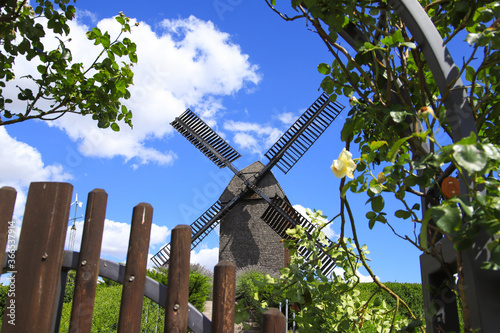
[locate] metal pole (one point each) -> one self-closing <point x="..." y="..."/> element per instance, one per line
<point x="286" y="314"/>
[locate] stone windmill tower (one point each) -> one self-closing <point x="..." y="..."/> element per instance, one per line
<point x="253" y="210"/>
<point x="245" y="238"/>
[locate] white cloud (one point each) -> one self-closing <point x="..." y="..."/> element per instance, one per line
<point x="184" y="63"/>
<point x="206" y="257"/>
<point x="252" y="136"/>
<point x="22" y="164"/>
<point x="248" y="142"/>
<point x="115" y="239"/>
<point x="287" y="118"/>
<point x="362" y="278"/>
<point x="86" y="14"/>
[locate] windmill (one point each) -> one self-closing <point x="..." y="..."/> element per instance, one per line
<point x="256" y="181"/>
<point x="72" y="233"/>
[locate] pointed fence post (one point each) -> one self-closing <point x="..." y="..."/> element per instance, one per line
<point x="7" y="202"/>
<point x="176" y="309"/>
<point x="39" y="259"/>
<point x="135" y="270"/>
<point x="224" y="297"/>
<point x="88" y="269"/>
<point x="273" y="321"/>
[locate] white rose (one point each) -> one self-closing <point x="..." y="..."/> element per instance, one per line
<point x="344" y="165"/>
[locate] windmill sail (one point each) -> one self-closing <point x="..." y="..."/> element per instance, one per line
<point x="200" y="229"/>
<point x="280" y="224"/>
<point x="294" y="143"/>
<point x="205" y="139"/>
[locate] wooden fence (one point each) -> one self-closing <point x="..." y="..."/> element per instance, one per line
<point x="39" y="266"/>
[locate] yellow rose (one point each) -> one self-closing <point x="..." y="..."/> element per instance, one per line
<point x="344" y="165"/>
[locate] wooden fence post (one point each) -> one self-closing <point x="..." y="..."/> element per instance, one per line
<point x="224" y="297"/>
<point x="7" y="202"/>
<point x="176" y="309"/>
<point x="135" y="270"/>
<point x="88" y="269"/>
<point x="274" y="321"/>
<point x="32" y="305"/>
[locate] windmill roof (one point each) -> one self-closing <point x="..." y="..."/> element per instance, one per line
<point x="268" y="184"/>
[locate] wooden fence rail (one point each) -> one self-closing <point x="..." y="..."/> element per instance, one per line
<point x="40" y="266"/>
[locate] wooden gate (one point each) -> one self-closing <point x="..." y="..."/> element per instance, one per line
<point x="39" y="266"/>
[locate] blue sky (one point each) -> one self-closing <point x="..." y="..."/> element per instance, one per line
<point x="239" y="66"/>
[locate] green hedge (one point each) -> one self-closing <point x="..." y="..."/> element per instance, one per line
<point x="411" y="293"/>
<point x="200" y="285"/>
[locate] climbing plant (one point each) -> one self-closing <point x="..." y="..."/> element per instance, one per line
<point x="399" y="126"/>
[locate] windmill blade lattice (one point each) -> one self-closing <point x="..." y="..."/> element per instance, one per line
<point x="205" y="139"/>
<point x="295" y="142"/>
<point x="200" y="229"/>
<point x="280" y="224"/>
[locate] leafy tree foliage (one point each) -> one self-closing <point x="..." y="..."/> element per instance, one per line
<point x="402" y="126"/>
<point x="251" y="290"/>
<point x="62" y="85"/>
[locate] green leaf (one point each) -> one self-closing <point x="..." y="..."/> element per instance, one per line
<point x="41" y="69"/>
<point x="105" y="40"/>
<point x="470" y="73"/>
<point x="376" y="188"/>
<point x="324" y="69"/>
<point x="423" y="231"/>
<point x="466" y="207"/>
<point x="133" y="57"/>
<point x="115" y="127"/>
<point x="97" y="31"/>
<point x="377" y="144"/>
<point x="402" y="214"/>
<point x="469" y="157"/>
<point x="115" y="48"/>
<point x="348" y="91"/>
<point x="395" y="148"/>
<point x="378" y="203"/>
<point x="347" y="129"/>
<point x="397" y="37"/>
<point x="120" y="19"/>
<point x="409" y="45"/>
<point x="447" y="217"/>
<point x="371" y="215"/>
